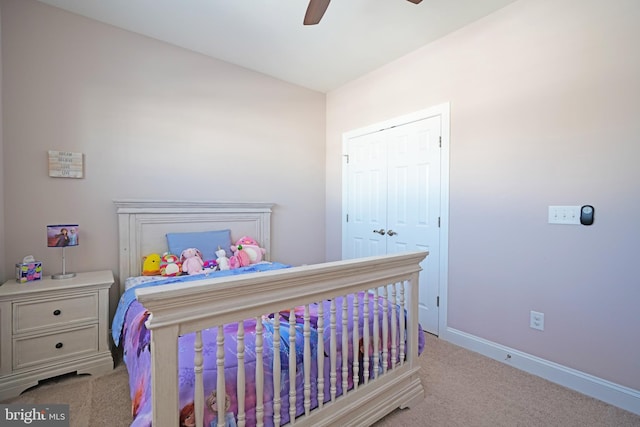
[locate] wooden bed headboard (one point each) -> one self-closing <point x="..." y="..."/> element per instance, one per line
<point x="143" y="225"/>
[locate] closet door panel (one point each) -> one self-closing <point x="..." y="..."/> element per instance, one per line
<point x="367" y="191"/>
<point x="409" y="173"/>
<point x="413" y="203"/>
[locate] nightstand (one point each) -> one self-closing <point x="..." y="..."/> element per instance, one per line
<point x="53" y="327"/>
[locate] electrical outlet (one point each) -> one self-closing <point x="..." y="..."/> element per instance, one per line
<point x="536" y="320"/>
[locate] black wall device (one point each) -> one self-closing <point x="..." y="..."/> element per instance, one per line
<point x="586" y="215"/>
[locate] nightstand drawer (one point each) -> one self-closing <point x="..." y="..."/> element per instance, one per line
<point x="35" y="315"/>
<point x="62" y="345"/>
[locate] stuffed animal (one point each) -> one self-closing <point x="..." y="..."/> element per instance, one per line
<point x="222" y="261"/>
<point x="170" y="265"/>
<point x="248" y="251"/>
<point x="191" y="259"/>
<point x="239" y="259"/>
<point x="151" y="265"/>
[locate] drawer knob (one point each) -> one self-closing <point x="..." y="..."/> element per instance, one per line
<point x="59" y="345"/>
<point x="57" y="313"/>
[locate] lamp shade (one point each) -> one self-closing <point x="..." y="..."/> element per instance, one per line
<point x="62" y="235"/>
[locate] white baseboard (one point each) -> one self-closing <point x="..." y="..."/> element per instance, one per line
<point x="607" y="391"/>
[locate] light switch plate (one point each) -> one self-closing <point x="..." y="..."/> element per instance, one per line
<point x="564" y="215"/>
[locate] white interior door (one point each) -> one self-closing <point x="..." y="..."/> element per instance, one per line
<point x="367" y="196"/>
<point x="392" y="196"/>
<point x="413" y="205"/>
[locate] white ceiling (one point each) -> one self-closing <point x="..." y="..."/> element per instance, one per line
<point x="353" y="38"/>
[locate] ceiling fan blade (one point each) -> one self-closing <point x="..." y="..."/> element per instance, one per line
<point x="315" y="11"/>
<point x="415" y="1"/>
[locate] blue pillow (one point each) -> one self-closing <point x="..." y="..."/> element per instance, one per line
<point x="206" y="241"/>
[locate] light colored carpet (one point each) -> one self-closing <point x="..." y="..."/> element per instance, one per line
<point x="462" y="389"/>
<point x="467" y="389"/>
<point x="93" y="401"/>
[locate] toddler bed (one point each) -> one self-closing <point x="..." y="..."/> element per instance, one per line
<point x="326" y="344"/>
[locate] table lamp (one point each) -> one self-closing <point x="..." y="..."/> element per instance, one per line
<point x="61" y="236"/>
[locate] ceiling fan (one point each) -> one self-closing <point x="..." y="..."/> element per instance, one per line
<point x="317" y="8"/>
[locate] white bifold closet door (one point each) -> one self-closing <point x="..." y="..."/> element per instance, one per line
<point x="393" y="200"/>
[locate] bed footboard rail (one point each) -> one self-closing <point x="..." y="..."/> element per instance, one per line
<point x="345" y="294"/>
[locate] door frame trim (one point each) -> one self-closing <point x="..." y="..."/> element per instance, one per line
<point x="444" y="111"/>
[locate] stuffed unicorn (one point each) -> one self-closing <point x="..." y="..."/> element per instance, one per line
<point x="222" y="260"/>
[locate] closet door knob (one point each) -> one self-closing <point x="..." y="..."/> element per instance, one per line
<point x="380" y="232"/>
<point x="59" y="345"/>
<point x="57" y="312"/>
<point x="391" y="233"/>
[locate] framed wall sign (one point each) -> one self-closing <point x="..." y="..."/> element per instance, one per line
<point x="65" y="164"/>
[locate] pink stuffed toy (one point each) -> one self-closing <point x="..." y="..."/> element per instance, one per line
<point x="246" y="251"/>
<point x="191" y="259"/>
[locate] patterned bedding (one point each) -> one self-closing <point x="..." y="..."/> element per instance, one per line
<point x="129" y="329"/>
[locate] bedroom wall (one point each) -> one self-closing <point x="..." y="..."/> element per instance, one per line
<point x="154" y="121"/>
<point x="544" y="111"/>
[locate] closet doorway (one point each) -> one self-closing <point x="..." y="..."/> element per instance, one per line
<point x="395" y="198"/>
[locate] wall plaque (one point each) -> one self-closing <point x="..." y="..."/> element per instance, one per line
<point x="65" y="164"/>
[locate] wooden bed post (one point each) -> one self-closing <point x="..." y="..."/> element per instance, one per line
<point x="164" y="374"/>
<point x="412" y="352"/>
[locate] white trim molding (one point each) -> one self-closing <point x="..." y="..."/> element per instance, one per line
<point x="590" y="385"/>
